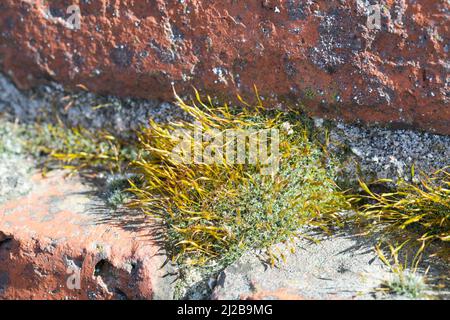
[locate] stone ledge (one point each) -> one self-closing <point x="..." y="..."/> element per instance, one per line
<point x="57" y="232"/>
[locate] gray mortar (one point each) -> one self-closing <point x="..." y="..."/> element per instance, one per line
<point x="387" y="154"/>
<point x="15" y="168"/>
<point x="328" y="270"/>
<point x="341" y="266"/>
<point x="84" y="109"/>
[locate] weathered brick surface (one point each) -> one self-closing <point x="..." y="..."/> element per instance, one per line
<point x="58" y="232"/>
<point x="319" y="52"/>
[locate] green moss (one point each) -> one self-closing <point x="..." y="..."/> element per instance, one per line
<point x="408" y="284"/>
<point x="267" y="211"/>
<point x="420" y="210"/>
<point x="116" y="194"/>
<point x="215" y="212"/>
<point x="78" y="148"/>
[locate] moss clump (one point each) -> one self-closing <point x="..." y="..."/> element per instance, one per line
<point x="116" y="194"/>
<point x="419" y="211"/>
<point x="404" y="281"/>
<point x="78" y="148"/>
<point x="406" y="284"/>
<point x="217" y="210"/>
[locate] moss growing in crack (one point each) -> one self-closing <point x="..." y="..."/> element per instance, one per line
<point x="77" y="148"/>
<point x="404" y="281"/>
<point x="214" y="211"/>
<point x="418" y="210"/>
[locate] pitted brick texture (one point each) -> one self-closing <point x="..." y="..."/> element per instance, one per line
<point x="57" y="237"/>
<point x="318" y="52"/>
